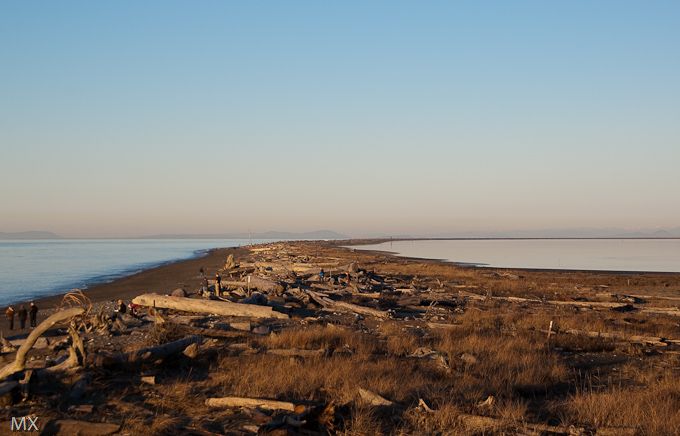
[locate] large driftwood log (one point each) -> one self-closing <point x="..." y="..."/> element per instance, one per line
<point x="51" y="321"/>
<point x="259" y="283"/>
<point x="671" y="311"/>
<point x="342" y="306"/>
<point x="224" y="308"/>
<point x="148" y="354"/>
<point x="250" y="402"/>
<point x="636" y="339"/>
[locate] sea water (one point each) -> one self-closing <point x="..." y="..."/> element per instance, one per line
<point x="656" y="255"/>
<point x="36" y="268"/>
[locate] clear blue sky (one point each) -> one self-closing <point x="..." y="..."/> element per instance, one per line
<point x="128" y="117"/>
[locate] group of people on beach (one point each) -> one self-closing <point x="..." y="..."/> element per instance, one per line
<point x="23" y="314"/>
<point x="205" y="284"/>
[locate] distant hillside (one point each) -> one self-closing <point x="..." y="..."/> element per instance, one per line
<point x="319" y="234"/>
<point x="29" y="235"/>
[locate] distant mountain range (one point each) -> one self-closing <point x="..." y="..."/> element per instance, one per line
<point x="319" y="234"/>
<point x="29" y="235"/>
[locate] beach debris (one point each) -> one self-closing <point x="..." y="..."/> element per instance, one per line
<point x="191" y="351"/>
<point x="636" y="339"/>
<point x="373" y="399"/>
<point x="76" y="353"/>
<point x="242" y="325"/>
<point x="424" y="407"/>
<point x="207" y="306"/>
<point x="230" y="263"/>
<point x="56" y="318"/>
<point x="490" y="400"/>
<point x="333" y="305"/>
<point x="148" y="379"/>
<point x="148" y="354"/>
<point x="250" y="403"/>
<point x="7" y="346"/>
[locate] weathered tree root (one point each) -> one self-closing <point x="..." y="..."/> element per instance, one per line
<point x="20" y="360"/>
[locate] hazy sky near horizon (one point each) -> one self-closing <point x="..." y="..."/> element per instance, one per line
<point x="129" y="118"/>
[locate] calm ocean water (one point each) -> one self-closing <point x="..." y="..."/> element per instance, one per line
<point x="30" y="268"/>
<point x="659" y="255"/>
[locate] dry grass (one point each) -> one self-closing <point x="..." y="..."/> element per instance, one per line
<point x="653" y="409"/>
<point x="322" y="337"/>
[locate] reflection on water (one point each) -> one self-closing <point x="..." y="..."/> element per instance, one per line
<point x="662" y="255"/>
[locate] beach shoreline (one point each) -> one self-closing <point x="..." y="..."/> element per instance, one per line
<point x="158" y="279"/>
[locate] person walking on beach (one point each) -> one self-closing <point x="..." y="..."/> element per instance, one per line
<point x="33" y="312"/>
<point x="23" y="314"/>
<point x="321" y="274"/>
<point x="9" y="313"/>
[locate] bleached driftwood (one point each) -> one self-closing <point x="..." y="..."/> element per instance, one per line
<point x="250" y="402"/>
<point x="342" y="306"/>
<point x="637" y="339"/>
<point x="671" y="311"/>
<point x="373" y="399"/>
<point x="194" y="305"/>
<point x="51" y="321"/>
<point x="76" y="353"/>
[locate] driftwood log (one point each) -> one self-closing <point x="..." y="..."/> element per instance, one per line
<point x="56" y="318"/>
<point x="148" y="354"/>
<point x="194" y="305"/>
<point x="671" y="311"/>
<point x="250" y="402"/>
<point x="342" y="306"/>
<point x="636" y="339"/>
<point x="76" y="353"/>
